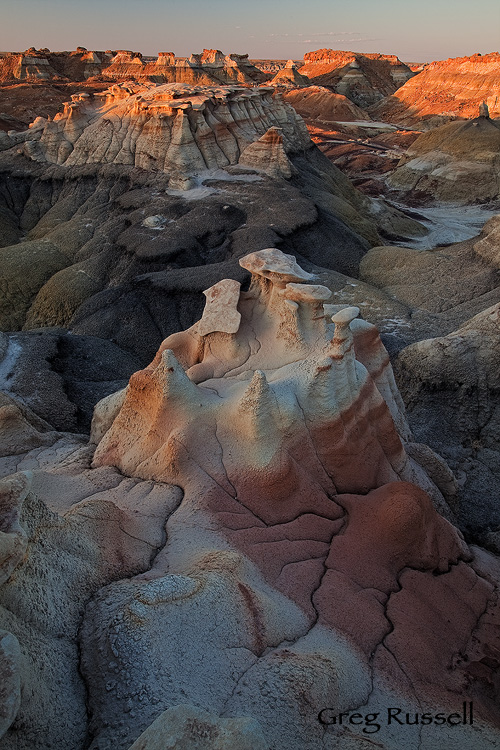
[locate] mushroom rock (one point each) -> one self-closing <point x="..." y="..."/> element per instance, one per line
<point x="298" y="563"/>
<point x="278" y="415"/>
<point x="269" y="394"/>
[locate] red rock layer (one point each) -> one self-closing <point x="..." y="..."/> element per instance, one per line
<point x="446" y="88"/>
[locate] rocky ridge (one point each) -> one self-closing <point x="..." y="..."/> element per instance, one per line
<point x="445" y="89"/>
<point x="208" y="67"/>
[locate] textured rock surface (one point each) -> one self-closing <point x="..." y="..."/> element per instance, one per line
<point x="363" y="78"/>
<point x="446" y="88"/>
<point x="316" y="385"/>
<point x="488" y="243"/>
<point x="170" y="127"/>
<point x="10" y="690"/>
<point x="451" y="385"/>
<point x="455" y="162"/>
<point x="45" y="588"/>
<point x="275" y="588"/>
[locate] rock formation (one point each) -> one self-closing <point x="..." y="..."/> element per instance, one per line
<point x="31" y="65"/>
<point x="445" y="89"/>
<point x="289" y="77"/>
<point x="300" y="569"/>
<point x="208" y="67"/>
<point x="168" y="180"/>
<point x="177" y="129"/>
<point x="363" y="78"/>
<point x="228" y="353"/>
<point x="454" y="162"/>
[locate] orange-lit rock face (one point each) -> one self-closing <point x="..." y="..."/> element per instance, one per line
<point x="269" y="396"/>
<point x="318" y="103"/>
<point x="363" y="78"/>
<point x="450" y="88"/>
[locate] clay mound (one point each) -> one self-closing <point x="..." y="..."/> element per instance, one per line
<point x="446" y="88"/>
<point x="319" y="104"/>
<point x="363" y="78"/>
<point x="455" y="162"/>
<point x="289" y="77"/>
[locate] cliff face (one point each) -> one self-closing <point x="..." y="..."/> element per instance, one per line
<point x="27" y="66"/>
<point x="450" y="88"/>
<point x="174" y="128"/>
<point x="363" y="78"/>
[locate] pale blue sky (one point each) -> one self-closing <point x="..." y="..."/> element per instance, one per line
<point x="415" y="30"/>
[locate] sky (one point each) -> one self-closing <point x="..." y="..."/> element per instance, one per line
<point x="415" y="30"/>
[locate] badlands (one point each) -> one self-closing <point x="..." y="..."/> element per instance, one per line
<point x="249" y="402"/>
